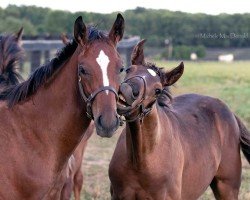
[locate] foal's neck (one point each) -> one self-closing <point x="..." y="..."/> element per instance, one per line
<point x="142" y="137"/>
<point x="58" y="113"/>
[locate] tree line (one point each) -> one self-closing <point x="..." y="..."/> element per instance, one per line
<point x="157" y="26"/>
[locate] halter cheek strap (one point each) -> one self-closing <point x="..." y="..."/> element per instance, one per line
<point x="89" y="100"/>
<point x="142" y="110"/>
<point x="142" y="113"/>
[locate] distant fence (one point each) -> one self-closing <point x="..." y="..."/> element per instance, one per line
<point x="40" y="49"/>
<point x="238" y="53"/>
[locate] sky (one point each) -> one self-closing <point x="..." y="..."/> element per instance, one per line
<point x="107" y="6"/>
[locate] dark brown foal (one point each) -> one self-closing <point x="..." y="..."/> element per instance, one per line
<point x="174" y="148"/>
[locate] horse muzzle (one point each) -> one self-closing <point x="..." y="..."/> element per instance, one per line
<point x="130" y="94"/>
<point x="106" y="125"/>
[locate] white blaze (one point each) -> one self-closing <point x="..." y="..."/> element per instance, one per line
<point x="152" y="72"/>
<point x="103" y="61"/>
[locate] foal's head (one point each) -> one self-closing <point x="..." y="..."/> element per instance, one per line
<point x="99" y="67"/>
<point x="11" y="52"/>
<point x="144" y="82"/>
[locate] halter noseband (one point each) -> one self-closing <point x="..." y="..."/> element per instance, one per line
<point x="89" y="100"/>
<point x="143" y="111"/>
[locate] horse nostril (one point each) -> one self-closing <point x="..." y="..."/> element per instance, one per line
<point x="135" y="91"/>
<point x="107" y="124"/>
<point x="103" y="123"/>
<point x="99" y="121"/>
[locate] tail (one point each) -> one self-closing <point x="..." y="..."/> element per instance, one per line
<point x="244" y="139"/>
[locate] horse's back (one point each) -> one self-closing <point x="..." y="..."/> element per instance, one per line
<point x="188" y="103"/>
<point x="204" y="122"/>
<point x="210" y="140"/>
<point x="198" y="110"/>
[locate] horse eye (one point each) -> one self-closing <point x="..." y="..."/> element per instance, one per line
<point x="157" y="91"/>
<point x="82" y="70"/>
<point x="122" y="69"/>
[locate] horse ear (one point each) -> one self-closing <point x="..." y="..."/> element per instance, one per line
<point x="65" y="39"/>
<point x="19" y="35"/>
<point x="80" y="31"/>
<point x="173" y="75"/>
<point x="137" y="56"/>
<point x="117" y="30"/>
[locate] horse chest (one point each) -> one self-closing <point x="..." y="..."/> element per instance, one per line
<point x="146" y="184"/>
<point x="23" y="185"/>
<point x="27" y="178"/>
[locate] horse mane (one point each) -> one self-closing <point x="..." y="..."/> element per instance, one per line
<point x="95" y="34"/>
<point x="165" y="98"/>
<point x="41" y="75"/>
<point x="10" y="55"/>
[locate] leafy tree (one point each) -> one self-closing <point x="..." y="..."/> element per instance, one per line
<point x="11" y="25"/>
<point x="156" y="26"/>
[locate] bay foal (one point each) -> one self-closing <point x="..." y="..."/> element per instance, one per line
<point x="174" y="148"/>
<point x="11" y="55"/>
<point x="43" y="119"/>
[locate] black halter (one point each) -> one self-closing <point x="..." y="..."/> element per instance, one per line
<point x="140" y="107"/>
<point x="89" y="100"/>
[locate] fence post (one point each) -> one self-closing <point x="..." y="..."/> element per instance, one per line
<point x="35" y="60"/>
<point x="47" y="56"/>
<point x="39" y="48"/>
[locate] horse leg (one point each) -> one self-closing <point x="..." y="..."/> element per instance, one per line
<point x="226" y="183"/>
<point x="67" y="189"/>
<point x="78" y="182"/>
<point x="224" y="189"/>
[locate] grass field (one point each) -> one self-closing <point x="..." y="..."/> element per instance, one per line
<point x="229" y="82"/>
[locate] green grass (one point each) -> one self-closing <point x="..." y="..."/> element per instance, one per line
<point x="95" y="167"/>
<point x="229" y="82"/>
